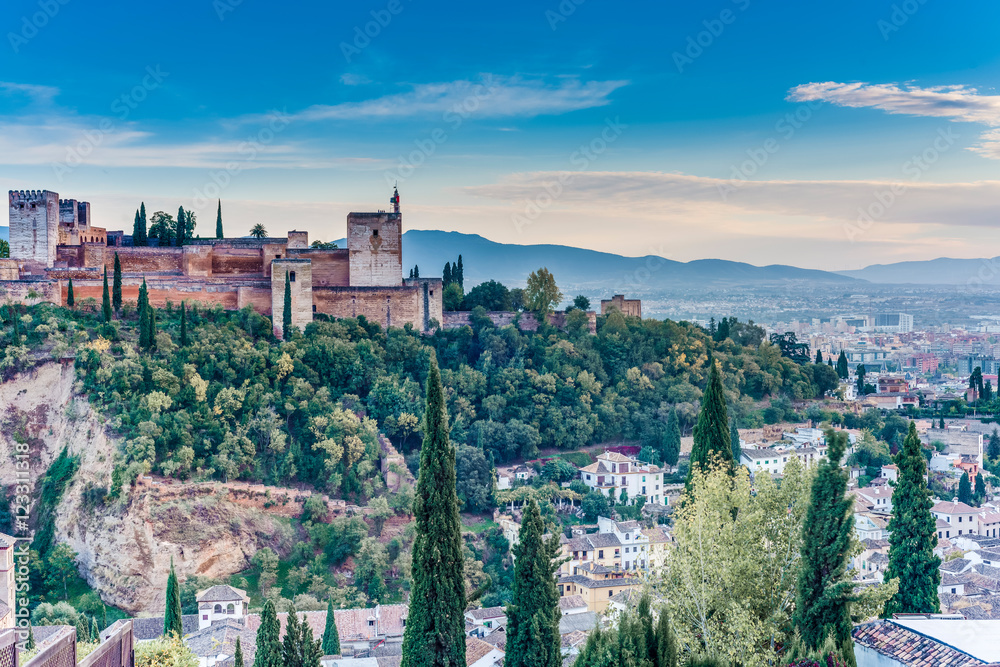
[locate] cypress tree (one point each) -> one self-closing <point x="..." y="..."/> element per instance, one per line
<point x="116" y="289"/>
<point x="435" y="631"/>
<point x="446" y="278"/>
<point x="533" y="638"/>
<point x="82" y="629"/>
<point x="965" y="489"/>
<point x="184" y="325"/>
<point x="95" y="633"/>
<point x="106" y="299"/>
<point x="268" y="643"/>
<point x="218" y="222"/>
<point x="941" y="424"/>
<point x="843" y="370"/>
<point x="181" y="223"/>
<point x="31" y="639"/>
<point x="912" y="536"/>
<point x="70" y="301"/>
<point x="980" y="494"/>
<point x="819" y="357"/>
<point x="152" y="327"/>
<point x="672" y="439"/>
<point x="291" y="649"/>
<point x="135" y="228"/>
<point x="459" y="274"/>
<point x="15" y="313"/>
<point x="711" y="433"/>
<point x="734" y="441"/>
<point x="140" y="306"/>
<point x="144" y="329"/>
<point x="142" y="226"/>
<point x="829" y="362"/>
<point x="331" y="638"/>
<point x="238" y="655"/>
<point x="666" y="642"/>
<point x="172" y="623"/>
<point x="416" y="270"/>
<point x="286" y="311"/>
<point x="645" y="626"/>
<point x="824" y="591"/>
<point x="993" y="448"/>
<point x="311" y="650"/>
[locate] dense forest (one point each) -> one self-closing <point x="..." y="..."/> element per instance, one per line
<point x="212" y="394"/>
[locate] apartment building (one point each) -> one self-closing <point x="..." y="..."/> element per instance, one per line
<point x="614" y="473"/>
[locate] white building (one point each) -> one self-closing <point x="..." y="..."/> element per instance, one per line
<point x="634" y="544"/>
<point x="773" y="460"/>
<point x="959" y="516"/>
<point x="220" y="603"/>
<point x="7" y="585"/>
<point x="614" y="473"/>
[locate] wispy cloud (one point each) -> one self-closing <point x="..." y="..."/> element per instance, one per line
<point x="959" y="103"/>
<point x="490" y="97"/>
<point x="349" y="79"/>
<point x="36" y="94"/>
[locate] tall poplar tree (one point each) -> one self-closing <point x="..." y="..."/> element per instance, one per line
<point x="218" y="222"/>
<point x="268" y="639"/>
<point x="70" y="300"/>
<point x="116" y="286"/>
<point x="533" y="638"/>
<point x="286" y="311"/>
<point x="331" y="638"/>
<point x="672" y="439"/>
<point x="172" y="622"/>
<point x="106" y="299"/>
<point x="435" y="628"/>
<point x="824" y="591"/>
<point x="310" y="650"/>
<point x="711" y="433"/>
<point x="912" y="536"/>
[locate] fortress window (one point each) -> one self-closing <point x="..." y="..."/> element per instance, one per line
<point x="374" y="232"/>
<point x="291" y="277"/>
<point x="314" y="307"/>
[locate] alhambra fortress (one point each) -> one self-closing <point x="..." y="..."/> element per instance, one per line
<point x="54" y="240"/>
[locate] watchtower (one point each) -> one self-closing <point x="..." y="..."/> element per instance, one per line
<point x="34" y="225"/>
<point x="299" y="273"/>
<point x="375" y="246"/>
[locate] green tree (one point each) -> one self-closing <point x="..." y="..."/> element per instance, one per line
<point x="824" y="591"/>
<point x="258" y="231"/>
<point x="116" y="289"/>
<point x="446" y="277"/>
<point x="4" y="249"/>
<point x="106" y="299"/>
<point x="451" y="298"/>
<point x="95" y="632"/>
<point x="311" y="649"/>
<point x="70" y="300"/>
<point x="218" y="222"/>
<point x="435" y="633"/>
<point x="541" y="293"/>
<point x="60" y="567"/>
<point x="291" y="649"/>
<point x="181" y="224"/>
<point x="819" y="356"/>
<point x="143" y="231"/>
<point x="31" y="639"/>
<point x="172" y="622"/>
<point x="912" y="536"/>
<point x="82" y="630"/>
<point x="286" y="311"/>
<point x="993" y="448"/>
<point x="666" y="642"/>
<point x="965" y="489"/>
<point x="458" y="274"/>
<point x="533" y="638"/>
<point x="162" y="227"/>
<point x="711" y="432"/>
<point x="860" y="372"/>
<point x="979" y="495"/>
<point x="331" y="637"/>
<point x="734" y="440"/>
<point x="843" y="370"/>
<point x="269" y="649"/>
<point x="672" y="439"/>
<point x="581" y="302"/>
<point x="143" y="301"/>
<point x="184" y="329"/>
<point x="238" y="655"/>
<point x="491" y="295"/>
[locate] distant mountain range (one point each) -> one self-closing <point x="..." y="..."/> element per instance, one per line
<point x="940" y="271"/>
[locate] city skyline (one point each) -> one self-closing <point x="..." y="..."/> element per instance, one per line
<point x="737" y="131"/>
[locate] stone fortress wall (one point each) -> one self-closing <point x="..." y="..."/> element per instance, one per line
<point x="53" y="241"/>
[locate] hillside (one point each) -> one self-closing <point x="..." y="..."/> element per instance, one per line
<point x="575" y="269"/>
<point x="940" y="271"/>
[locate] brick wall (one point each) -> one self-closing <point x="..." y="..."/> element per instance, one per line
<point x="146" y="260"/>
<point x="237" y="261"/>
<point x="9" y="270"/>
<point x="330" y="268"/>
<point x="197" y="260"/>
<point x="429" y="300"/>
<point x="389" y="306"/>
<point x="29" y="293"/>
<point x="374" y="241"/>
<point x="204" y="293"/>
<point x="34" y="225"/>
<point x="301" y="292"/>
<point x="257" y="297"/>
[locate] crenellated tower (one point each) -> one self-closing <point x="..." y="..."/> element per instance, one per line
<point x="375" y="246"/>
<point x="34" y="225"/>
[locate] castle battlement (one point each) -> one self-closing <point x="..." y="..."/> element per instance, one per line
<point x="31" y="196"/>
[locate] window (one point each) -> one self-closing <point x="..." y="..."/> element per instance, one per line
<point x="953" y="591"/>
<point x="218" y="609"/>
<point x="610" y="593"/>
<point x="371" y="623"/>
<point x="626" y="549"/>
<point x="314" y="307"/>
<point x="230" y="609"/>
<point x="600" y="554"/>
<point x="291" y="276"/>
<point x="644" y="478"/>
<point x="404" y="620"/>
<point x="375" y="233"/>
<point x="588" y="478"/>
<point x="204" y="617"/>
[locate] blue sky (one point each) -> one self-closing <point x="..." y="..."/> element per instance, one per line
<point x="831" y="136"/>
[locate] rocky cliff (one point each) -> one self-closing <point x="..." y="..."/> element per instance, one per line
<point x="124" y="549"/>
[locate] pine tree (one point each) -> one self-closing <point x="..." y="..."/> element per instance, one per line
<point x="819" y="356"/>
<point x="824" y="591"/>
<point x="15" y="313"/>
<point x="435" y="631"/>
<point x="181" y="224"/>
<point x="238" y="655"/>
<point x="672" y="439"/>
<point x="268" y="639"/>
<point x="143" y="233"/>
<point x="458" y="274"/>
<point x="912" y="536"/>
<point x="331" y="638"/>
<point x="82" y="630"/>
<point x="218" y="222"/>
<point x="184" y="325"/>
<point x="533" y="616"/>
<point x="172" y="623"/>
<point x="95" y="633"/>
<point x="116" y="289"/>
<point x="666" y="642"/>
<point x="70" y="301"/>
<point x="843" y="370"/>
<point x="106" y="299"/>
<point x="291" y="649"/>
<point x="286" y="311"/>
<point x="311" y="649"/>
<point x="446" y="277"/>
<point x="734" y="440"/>
<point x="965" y="489"/>
<point x="711" y="433"/>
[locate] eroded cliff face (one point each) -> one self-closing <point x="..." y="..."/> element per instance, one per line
<point x="124" y="548"/>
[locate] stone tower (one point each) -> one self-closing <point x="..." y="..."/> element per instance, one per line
<point x="300" y="282"/>
<point x="34" y="226"/>
<point x="375" y="246"/>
